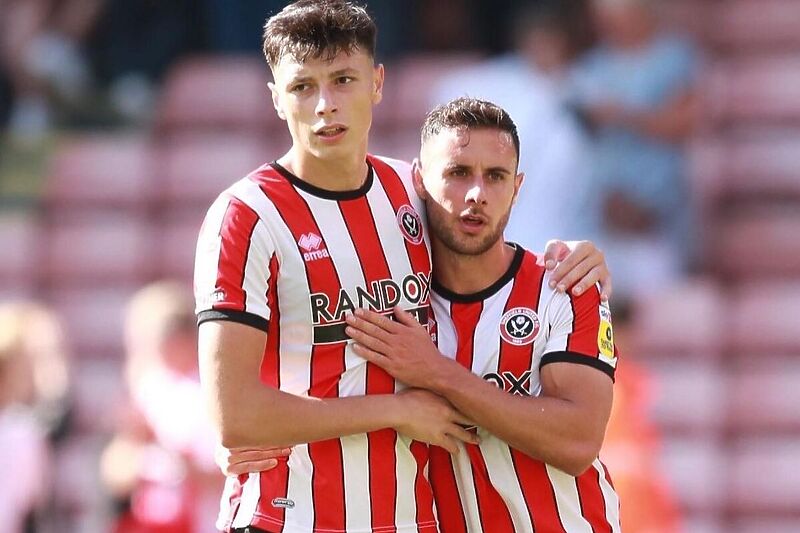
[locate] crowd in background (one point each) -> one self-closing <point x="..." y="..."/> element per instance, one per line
<point x="605" y="101"/>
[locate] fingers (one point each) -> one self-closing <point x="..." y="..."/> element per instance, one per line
<point x="605" y="286"/>
<point x="448" y="443"/>
<point x="242" y="455"/>
<point x="406" y="318"/>
<point x="367" y="340"/>
<point x="370" y="355"/>
<point x="464" y="435"/>
<point x="554" y="252"/>
<point x="251" y="467"/>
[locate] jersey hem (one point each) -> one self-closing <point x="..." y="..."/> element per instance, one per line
<point x="263" y="522"/>
<point x="579" y="359"/>
<point x="229" y="315"/>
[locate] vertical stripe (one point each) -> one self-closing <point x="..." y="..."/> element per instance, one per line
<point x="251" y="494"/>
<point x="452" y="518"/>
<point x="569" y="508"/>
<point x="235" y="234"/>
<point x="271" y="364"/>
<point x="609" y="495"/>
<point x="382" y="458"/>
<point x="398" y="196"/>
<point x="465" y="318"/>
<point x="593" y="504"/>
<point x="327" y="362"/>
<point x="494" y="515"/>
<point x="585" y="322"/>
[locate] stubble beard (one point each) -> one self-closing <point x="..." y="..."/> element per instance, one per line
<point x="460" y="244"/>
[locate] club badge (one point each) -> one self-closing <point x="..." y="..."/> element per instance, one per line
<point x="519" y="326"/>
<point x="410" y="224"/>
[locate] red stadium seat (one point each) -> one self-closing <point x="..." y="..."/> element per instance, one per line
<point x="697" y="469"/>
<point x="757" y="242"/>
<point x="20" y="238"/>
<point x="407" y="97"/>
<point x="764" y="394"/>
<point x="762" y="317"/>
<point x="763" y="476"/>
<point x="750" y="24"/>
<point x="194" y="169"/>
<point x="679" y="321"/>
<point x="767" y="522"/>
<point x="93" y="318"/>
<point x="178" y="238"/>
<point x="98" y="247"/>
<point x="756" y="90"/>
<point x="689" y="395"/>
<point x="766" y="166"/>
<point x="108" y="170"/>
<point x="217" y="92"/>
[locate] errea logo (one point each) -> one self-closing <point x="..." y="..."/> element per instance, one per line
<point x="312" y="245"/>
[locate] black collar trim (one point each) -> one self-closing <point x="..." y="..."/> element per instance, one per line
<point x="325" y="193"/>
<point x="489" y="291"/>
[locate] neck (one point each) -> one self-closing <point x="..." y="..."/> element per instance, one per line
<point x="468" y="274"/>
<point x="344" y="173"/>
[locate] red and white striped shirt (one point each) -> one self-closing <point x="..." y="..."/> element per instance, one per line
<point x="281" y="255"/>
<point x="505" y="334"/>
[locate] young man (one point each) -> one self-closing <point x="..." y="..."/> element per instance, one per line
<point x="284" y="254"/>
<point x="533" y="368"/>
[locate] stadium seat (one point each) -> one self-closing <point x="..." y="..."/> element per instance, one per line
<point x="697" y="469"/>
<point x="194" y="169"/>
<point x="762" y="318"/>
<point x="763" y="476"/>
<point x="755" y="90"/>
<point x="764" y="523"/>
<point x="757" y="242"/>
<point x="763" y="166"/>
<point x="748" y="25"/>
<point x="689" y="395"/>
<point x="109" y="170"/>
<point x="178" y="239"/>
<point x="679" y="321"/>
<point x="93" y="318"/>
<point x="407" y="98"/>
<point x="217" y="92"/>
<point x="97" y="247"/>
<point x="764" y="394"/>
<point x="20" y="238"/>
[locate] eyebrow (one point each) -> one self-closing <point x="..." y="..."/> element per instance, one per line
<point x="334" y="74"/>
<point x="458" y="166"/>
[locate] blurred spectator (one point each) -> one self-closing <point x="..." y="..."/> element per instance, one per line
<point x="532" y="83"/>
<point x="41" y="56"/>
<point x="636" y="90"/>
<point x="163" y="450"/>
<point x="33" y="389"/>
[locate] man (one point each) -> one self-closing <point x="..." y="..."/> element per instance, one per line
<point x="533" y="368"/>
<point x="283" y="256"/>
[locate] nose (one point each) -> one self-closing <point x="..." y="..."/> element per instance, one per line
<point x="476" y="193"/>
<point x="325" y="104"/>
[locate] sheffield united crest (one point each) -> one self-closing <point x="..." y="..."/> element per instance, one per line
<point x="519" y="326"/>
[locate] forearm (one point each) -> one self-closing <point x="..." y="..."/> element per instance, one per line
<point x="270" y="417"/>
<point x="556" y="431"/>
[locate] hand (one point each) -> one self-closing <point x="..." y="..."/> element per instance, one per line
<point x="403" y="348"/>
<point x="237" y="461"/>
<point x="427" y="417"/>
<point x="580" y="265"/>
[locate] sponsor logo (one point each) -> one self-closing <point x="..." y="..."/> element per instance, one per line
<point x="283" y="503"/>
<point x="605" y="336"/>
<point x="312" y="245"/>
<point x="381" y="296"/>
<point x="519" y="326"/>
<point x="510" y="382"/>
<point x="209" y="300"/>
<point x="410" y="224"/>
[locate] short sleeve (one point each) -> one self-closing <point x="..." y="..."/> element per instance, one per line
<point x="581" y="332"/>
<point x="232" y="265"/>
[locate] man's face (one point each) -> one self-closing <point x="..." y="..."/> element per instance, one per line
<point x="328" y="104"/>
<point x="468" y="181"/>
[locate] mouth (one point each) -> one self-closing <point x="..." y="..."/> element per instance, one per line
<point x="472" y="222"/>
<point x="330" y="132"/>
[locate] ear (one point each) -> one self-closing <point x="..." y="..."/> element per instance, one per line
<point x="416" y="174"/>
<point x="377" y="84"/>
<point x="276" y="100"/>
<point x="518" y="180"/>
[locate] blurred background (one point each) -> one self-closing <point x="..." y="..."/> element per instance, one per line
<point x="667" y="132"/>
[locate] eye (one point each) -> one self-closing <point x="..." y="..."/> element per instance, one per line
<point x="298" y="88"/>
<point x="497" y="176"/>
<point x="342" y="80"/>
<point x="457" y="172"/>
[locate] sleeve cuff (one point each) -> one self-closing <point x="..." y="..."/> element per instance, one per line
<point x="242" y="317"/>
<point x="579" y="359"/>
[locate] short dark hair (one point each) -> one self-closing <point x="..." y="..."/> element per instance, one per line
<point x="470" y="113"/>
<point x="318" y="28"/>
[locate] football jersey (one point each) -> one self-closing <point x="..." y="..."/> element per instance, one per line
<point x="284" y="256"/>
<point x="505" y="334"/>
